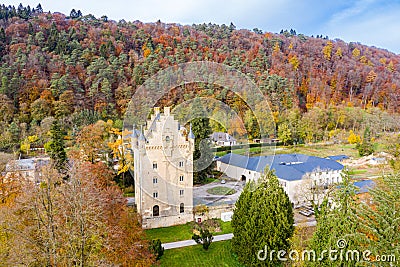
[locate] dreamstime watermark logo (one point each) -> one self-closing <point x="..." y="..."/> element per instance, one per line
<point x="173" y="82"/>
<point x="339" y="253"/>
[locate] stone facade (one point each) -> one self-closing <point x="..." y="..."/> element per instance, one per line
<point x="163" y="171"/>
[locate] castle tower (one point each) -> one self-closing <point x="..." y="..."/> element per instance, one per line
<point x="163" y="171"/>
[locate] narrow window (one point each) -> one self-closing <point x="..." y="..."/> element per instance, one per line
<point x="156" y="210"/>
<point x="155" y="194"/>
<point x="180" y="163"/>
<point x="181" y="178"/>
<point x="181" y="208"/>
<point x="154" y="165"/>
<point x="155" y="180"/>
<point x="181" y="192"/>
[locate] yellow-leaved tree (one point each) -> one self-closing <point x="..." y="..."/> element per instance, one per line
<point x="121" y="152"/>
<point x="353" y="138"/>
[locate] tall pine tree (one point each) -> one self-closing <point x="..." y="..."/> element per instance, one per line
<point x="336" y="226"/>
<point x="263" y="220"/>
<point x="379" y="227"/>
<point x="56" y="148"/>
<point x="366" y="147"/>
<point x="203" y="155"/>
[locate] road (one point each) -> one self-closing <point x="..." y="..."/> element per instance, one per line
<point x="186" y="243"/>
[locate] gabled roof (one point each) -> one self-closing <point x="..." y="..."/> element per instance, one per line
<point x="364" y="186"/>
<point x="26" y="164"/>
<point x="21" y="165"/>
<point x="220" y="136"/>
<point x="290" y="167"/>
<point x="337" y="157"/>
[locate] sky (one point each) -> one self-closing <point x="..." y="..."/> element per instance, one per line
<point x="370" y="22"/>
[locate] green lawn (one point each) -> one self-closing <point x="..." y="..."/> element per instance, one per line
<point x="209" y="180"/>
<point x="221" y="190"/>
<point x="219" y="254"/>
<point x="171" y="234"/>
<point x="181" y="232"/>
<point x="251" y="151"/>
<point x="226" y="228"/>
<point x="357" y="171"/>
<point x="312" y="150"/>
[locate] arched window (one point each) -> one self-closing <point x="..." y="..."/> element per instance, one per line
<point x="167" y="138"/>
<point x="182" y="208"/>
<point x="156" y="210"/>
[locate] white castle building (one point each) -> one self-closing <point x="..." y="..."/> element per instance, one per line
<point x="297" y="173"/>
<point x="163" y="171"/>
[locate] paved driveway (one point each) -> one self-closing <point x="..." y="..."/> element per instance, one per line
<point x="187" y="243"/>
<point x="200" y="195"/>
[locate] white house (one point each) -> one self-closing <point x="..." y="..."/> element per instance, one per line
<point x="294" y="171"/>
<point x="29" y="169"/>
<point x="223" y="139"/>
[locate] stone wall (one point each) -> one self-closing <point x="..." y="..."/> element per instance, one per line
<point x="215" y="212"/>
<point x="165" y="221"/>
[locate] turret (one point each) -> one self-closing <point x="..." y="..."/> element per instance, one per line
<point x="141" y="141"/>
<point x="191" y="138"/>
<point x="134" y="137"/>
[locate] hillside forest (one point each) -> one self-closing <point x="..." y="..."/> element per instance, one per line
<point x="66" y="81"/>
<point x="79" y="69"/>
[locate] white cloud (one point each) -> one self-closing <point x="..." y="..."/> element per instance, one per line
<point x="359" y="7"/>
<point x="368" y="22"/>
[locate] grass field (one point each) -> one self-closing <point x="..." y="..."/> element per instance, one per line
<point x="357" y="171"/>
<point x="209" y="180"/>
<point x="251" y="151"/>
<point x="221" y="190"/>
<point x="171" y="234"/>
<point x="312" y="150"/>
<point x="219" y="254"/>
<point x="181" y="232"/>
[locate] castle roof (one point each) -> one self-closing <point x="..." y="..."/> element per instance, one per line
<point x="364" y="186"/>
<point x="220" y="136"/>
<point x="191" y="134"/>
<point x="290" y="167"/>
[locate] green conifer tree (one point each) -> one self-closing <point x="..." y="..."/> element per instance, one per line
<point x="203" y="153"/>
<point x="336" y="226"/>
<point x="379" y="227"/>
<point x="56" y="148"/>
<point x="366" y="147"/>
<point x="262" y="220"/>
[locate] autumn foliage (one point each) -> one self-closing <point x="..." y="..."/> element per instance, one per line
<point x="80" y="222"/>
<point x="79" y="69"/>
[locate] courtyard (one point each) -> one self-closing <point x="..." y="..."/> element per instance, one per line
<point x="217" y="193"/>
